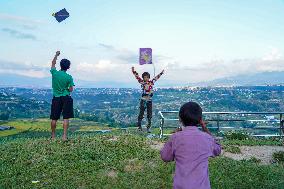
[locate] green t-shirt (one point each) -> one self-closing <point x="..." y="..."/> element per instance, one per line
<point x="61" y="82"/>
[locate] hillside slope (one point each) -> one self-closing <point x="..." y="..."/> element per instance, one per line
<point x="108" y="161"/>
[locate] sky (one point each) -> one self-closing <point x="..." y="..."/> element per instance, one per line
<point x="193" y="40"/>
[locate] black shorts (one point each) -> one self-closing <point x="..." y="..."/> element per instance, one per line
<point x="64" y="105"/>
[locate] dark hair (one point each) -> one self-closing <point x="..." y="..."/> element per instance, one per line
<point x="145" y="74"/>
<point x="65" y="64"/>
<point x="190" y="114"/>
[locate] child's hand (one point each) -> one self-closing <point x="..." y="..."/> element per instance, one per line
<point x="177" y="130"/>
<point x="204" y="128"/>
<point x="57" y="53"/>
<point x="203" y="124"/>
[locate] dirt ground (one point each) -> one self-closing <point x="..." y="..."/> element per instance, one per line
<point x="263" y="153"/>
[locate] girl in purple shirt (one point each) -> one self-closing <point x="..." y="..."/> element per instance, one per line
<point x="190" y="148"/>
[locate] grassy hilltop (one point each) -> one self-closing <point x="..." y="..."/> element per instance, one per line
<point x="116" y="160"/>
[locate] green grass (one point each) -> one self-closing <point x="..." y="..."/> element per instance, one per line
<point x="232" y="149"/>
<point x="228" y="173"/>
<point x="278" y="156"/>
<point x="108" y="161"/>
<point x="254" y="142"/>
<point x="82" y="162"/>
<point x="94" y="160"/>
<point x="26" y="125"/>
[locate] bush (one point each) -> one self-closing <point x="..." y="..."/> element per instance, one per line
<point x="254" y="160"/>
<point x="4" y="116"/>
<point x="232" y="149"/>
<point x="236" y="135"/>
<point x="278" y="156"/>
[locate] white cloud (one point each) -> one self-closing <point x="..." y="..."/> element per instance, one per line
<point x="102" y="66"/>
<point x="19" y="34"/>
<point x="24" y="69"/>
<point x="20" y="19"/>
<point x="103" y="70"/>
<point x="108" y="70"/>
<point x="273" y="55"/>
<point x="28" y="73"/>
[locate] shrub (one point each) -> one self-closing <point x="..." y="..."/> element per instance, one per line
<point x="238" y="135"/>
<point x="232" y="149"/>
<point x="278" y="156"/>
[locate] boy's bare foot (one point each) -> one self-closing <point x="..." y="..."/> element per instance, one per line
<point x="64" y="138"/>
<point x="52" y="136"/>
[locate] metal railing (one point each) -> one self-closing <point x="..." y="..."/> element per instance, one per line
<point x="219" y="119"/>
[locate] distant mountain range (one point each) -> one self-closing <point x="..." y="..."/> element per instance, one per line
<point x="12" y="80"/>
<point x="265" y="78"/>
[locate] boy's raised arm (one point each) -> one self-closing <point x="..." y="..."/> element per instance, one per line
<point x="139" y="79"/>
<point x="53" y="63"/>
<point x="158" y="76"/>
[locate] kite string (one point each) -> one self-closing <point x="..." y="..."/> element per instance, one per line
<point x="154" y="69"/>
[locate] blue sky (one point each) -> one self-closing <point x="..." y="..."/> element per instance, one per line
<point x="194" y="40"/>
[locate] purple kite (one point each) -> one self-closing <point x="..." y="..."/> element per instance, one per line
<point x="145" y="56"/>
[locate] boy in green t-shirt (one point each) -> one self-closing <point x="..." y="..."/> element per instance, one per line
<point x="62" y="102"/>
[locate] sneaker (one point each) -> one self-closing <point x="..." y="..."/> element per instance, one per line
<point x="139" y="128"/>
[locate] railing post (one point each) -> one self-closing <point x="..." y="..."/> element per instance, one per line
<point x="281" y="129"/>
<point x="219" y="118"/>
<point x="162" y="127"/>
<point x="218" y="123"/>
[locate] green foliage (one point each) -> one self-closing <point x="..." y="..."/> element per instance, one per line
<point x="228" y="173"/>
<point x="252" y="160"/>
<point x="278" y="156"/>
<point x="254" y="142"/>
<point x="232" y="149"/>
<point x="4" y="116"/>
<point x="238" y="135"/>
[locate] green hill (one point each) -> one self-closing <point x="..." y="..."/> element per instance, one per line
<point x="114" y="161"/>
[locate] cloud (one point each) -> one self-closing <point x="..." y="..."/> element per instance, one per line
<point x="273" y="54"/>
<point x="217" y="69"/>
<point x="103" y="70"/>
<point x="19" y="66"/>
<point x="123" y="55"/>
<point x="112" y="70"/>
<point x="28" y="27"/>
<point x="18" y="34"/>
<point x="27" y="73"/>
<point x="24" y="69"/>
<point x="107" y="47"/>
<point x="127" y="56"/>
<point x="221" y="68"/>
<point x="20" y="19"/>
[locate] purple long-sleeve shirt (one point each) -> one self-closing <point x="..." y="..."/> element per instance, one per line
<point x="190" y="149"/>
